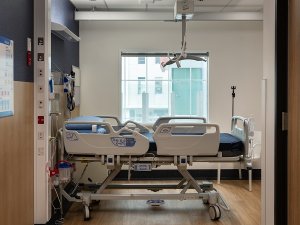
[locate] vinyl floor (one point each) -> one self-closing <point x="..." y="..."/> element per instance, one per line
<point x="245" y="209"/>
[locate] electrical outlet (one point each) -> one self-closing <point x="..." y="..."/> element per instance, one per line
<point x="41" y="104"/>
<point x="41" y="135"/>
<point x="41" y="151"/>
<point x="40" y="88"/>
<point x="41" y="72"/>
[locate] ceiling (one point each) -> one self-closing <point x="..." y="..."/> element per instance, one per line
<point x="163" y="10"/>
<point x="201" y="6"/>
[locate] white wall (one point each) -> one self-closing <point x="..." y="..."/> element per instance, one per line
<point x="235" y="50"/>
<point x="268" y="117"/>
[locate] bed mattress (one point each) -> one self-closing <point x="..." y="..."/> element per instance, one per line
<point x="230" y="145"/>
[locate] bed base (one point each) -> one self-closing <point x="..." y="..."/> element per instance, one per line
<point x="203" y="191"/>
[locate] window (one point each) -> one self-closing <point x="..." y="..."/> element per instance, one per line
<point x="149" y="93"/>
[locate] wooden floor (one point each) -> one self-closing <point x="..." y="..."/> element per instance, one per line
<point x="245" y="209"/>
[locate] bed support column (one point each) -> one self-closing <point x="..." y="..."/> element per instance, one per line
<point x="240" y="171"/>
<point x="219" y="169"/>
<point x="109" y="179"/>
<point x="181" y="183"/>
<point x="191" y="181"/>
<point x="250" y="179"/>
<point x="219" y="174"/>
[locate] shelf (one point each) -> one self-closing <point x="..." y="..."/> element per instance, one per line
<point x="63" y="32"/>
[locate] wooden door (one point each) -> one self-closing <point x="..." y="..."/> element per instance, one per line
<point x="294" y="113"/>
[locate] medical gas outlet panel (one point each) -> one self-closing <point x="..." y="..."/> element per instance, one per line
<point x="42" y="52"/>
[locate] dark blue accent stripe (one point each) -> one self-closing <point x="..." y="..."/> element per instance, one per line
<point x="63" y="12"/>
<point x="16" y="24"/>
<point x="64" y="54"/>
<point x="4" y="40"/>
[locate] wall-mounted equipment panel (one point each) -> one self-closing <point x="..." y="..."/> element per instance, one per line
<point x="6" y="77"/>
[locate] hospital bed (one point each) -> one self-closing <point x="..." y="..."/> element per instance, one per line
<point x="92" y="139"/>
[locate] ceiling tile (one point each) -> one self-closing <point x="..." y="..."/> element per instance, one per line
<point x="211" y="2"/>
<point x="208" y="9"/>
<point x="242" y="9"/>
<point x="247" y="3"/>
<point x="168" y="5"/>
<point x="80" y="4"/>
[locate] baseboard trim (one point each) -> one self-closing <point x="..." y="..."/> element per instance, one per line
<point x="203" y="174"/>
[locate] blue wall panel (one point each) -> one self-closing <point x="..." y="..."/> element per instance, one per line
<point x="64" y="54"/>
<point x="16" y="23"/>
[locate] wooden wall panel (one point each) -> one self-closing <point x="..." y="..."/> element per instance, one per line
<point x="294" y="114"/>
<point x="16" y="160"/>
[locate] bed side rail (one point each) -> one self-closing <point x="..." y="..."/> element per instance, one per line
<point x="122" y="142"/>
<point x="185" y="139"/>
<point x="169" y="119"/>
<point x="132" y="125"/>
<point x="112" y="118"/>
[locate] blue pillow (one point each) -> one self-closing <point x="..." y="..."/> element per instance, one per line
<point x="79" y="126"/>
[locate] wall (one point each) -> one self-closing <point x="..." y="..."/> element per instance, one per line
<point x="235" y="50"/>
<point x="268" y="117"/>
<point x="64" y="54"/>
<point x="16" y="132"/>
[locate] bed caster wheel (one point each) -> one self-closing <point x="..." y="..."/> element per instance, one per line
<point x="214" y="212"/>
<point x="86" y="212"/>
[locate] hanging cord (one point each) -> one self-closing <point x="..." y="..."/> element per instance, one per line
<point x="77" y="184"/>
<point x="70" y="102"/>
<point x="71" y="92"/>
<point x="61" y="219"/>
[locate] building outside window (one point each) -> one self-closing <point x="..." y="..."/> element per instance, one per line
<point x="158" y="85"/>
<point x="157" y="60"/>
<point x="149" y="93"/>
<point x="141" y="85"/>
<point x="141" y="60"/>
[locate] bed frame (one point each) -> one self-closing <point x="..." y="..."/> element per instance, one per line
<point x="128" y="146"/>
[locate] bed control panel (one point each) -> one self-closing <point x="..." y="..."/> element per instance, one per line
<point x="142" y="167"/>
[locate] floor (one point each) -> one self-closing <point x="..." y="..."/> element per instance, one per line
<point x="244" y="209"/>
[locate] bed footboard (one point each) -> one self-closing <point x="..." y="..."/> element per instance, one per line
<point x="184" y="119"/>
<point x="187" y="139"/>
